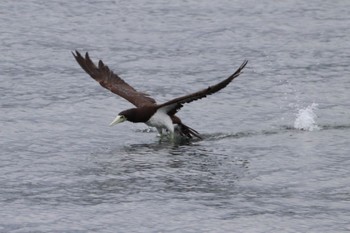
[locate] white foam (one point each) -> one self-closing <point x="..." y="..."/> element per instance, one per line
<point x="305" y="118"/>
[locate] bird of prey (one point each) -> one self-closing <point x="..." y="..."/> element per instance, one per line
<point x="147" y="110"/>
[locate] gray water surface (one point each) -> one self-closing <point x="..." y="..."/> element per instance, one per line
<point x="63" y="169"/>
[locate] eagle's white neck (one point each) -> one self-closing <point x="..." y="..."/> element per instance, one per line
<point x="161" y="120"/>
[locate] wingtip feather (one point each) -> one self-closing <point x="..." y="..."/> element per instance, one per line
<point x="100" y="64"/>
<point x="87" y="57"/>
<point x="245" y="62"/>
<point x="75" y="53"/>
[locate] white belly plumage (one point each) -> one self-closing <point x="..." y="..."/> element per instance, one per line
<point x="161" y="120"/>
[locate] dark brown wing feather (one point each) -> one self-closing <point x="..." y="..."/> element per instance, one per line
<point x="174" y="105"/>
<point x="112" y="82"/>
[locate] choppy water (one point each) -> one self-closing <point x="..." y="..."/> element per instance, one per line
<point x="270" y="160"/>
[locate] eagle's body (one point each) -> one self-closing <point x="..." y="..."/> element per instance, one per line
<point x="160" y="116"/>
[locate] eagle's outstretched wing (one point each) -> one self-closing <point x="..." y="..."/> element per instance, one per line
<point x="172" y="106"/>
<point x="112" y="82"/>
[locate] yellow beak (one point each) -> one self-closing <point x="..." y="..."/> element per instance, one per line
<point x="118" y="119"/>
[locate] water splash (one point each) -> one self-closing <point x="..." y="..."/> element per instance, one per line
<point x="306" y="118"/>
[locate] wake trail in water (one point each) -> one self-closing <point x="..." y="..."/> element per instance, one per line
<point x="305" y="121"/>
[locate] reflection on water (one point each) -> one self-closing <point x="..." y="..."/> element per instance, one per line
<point x="159" y="168"/>
<point x="167" y="168"/>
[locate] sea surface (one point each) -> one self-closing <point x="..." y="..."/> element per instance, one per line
<point x="275" y="153"/>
